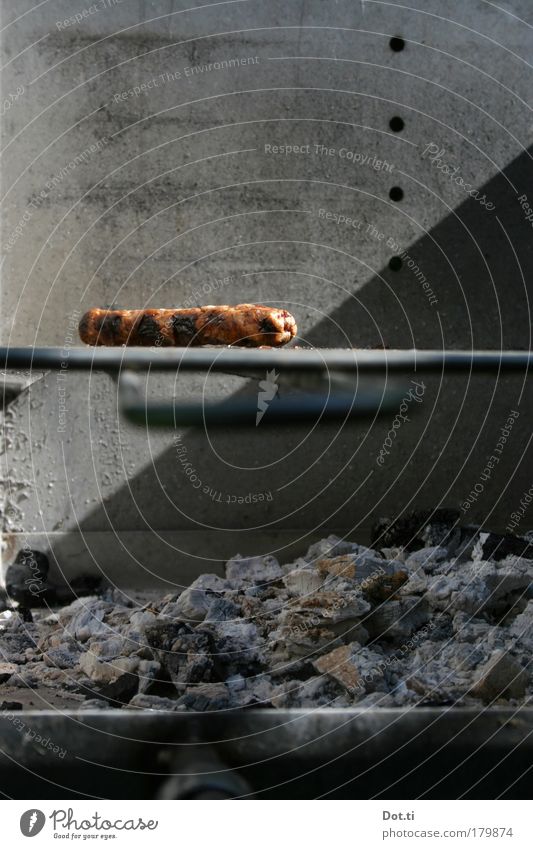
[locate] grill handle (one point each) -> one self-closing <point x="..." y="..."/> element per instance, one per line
<point x="361" y="402"/>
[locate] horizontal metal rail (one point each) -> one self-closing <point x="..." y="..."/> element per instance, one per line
<point x="250" y="360"/>
<point x="327" y="403"/>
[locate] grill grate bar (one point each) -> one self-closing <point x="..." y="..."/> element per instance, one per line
<point x="288" y="359"/>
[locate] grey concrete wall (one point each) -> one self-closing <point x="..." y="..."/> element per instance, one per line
<point x="173" y="192"/>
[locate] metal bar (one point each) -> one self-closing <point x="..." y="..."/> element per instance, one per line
<point x="116" y="736"/>
<point x="248" y="360"/>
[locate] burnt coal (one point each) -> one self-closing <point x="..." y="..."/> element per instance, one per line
<point x="26" y="579"/>
<point x="449" y="622"/>
<point x="498" y="547"/>
<point x="27" y="583"/>
<point x="421" y="529"/>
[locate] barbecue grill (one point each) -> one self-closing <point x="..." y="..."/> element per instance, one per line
<point x="429" y="752"/>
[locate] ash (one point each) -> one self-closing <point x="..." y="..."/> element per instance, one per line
<point x="343" y="626"/>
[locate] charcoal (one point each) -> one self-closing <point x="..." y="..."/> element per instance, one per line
<point x="15" y="639"/>
<point x="185" y="655"/>
<point x="257" y="570"/>
<point x="112" y="647"/>
<point x="6" y="671"/>
<point x="38" y="674"/>
<point x="416" y="583"/>
<point x="522" y="627"/>
<point x="68" y="611"/>
<point x="222" y="610"/>
<point x="358" y="669"/>
<point x="498" y="547"/>
<point x="379" y="587"/>
<point x="340" y="665"/>
<point x="480" y="586"/>
<point x="233" y="642"/>
<point x="449" y="623"/>
<point x="334" y="546"/>
<point x="440" y="628"/>
<point x="26" y="579"/>
<point x="61" y="657"/>
<point x="325" y="609"/>
<point x="247" y="692"/>
<point x="512" y="573"/>
<point x="303" y="580"/>
<point x="114" y="681"/>
<point x="429" y="559"/>
<point x="117" y="597"/>
<point x="291" y="643"/>
<point x="163" y="632"/>
<point x="150" y="702"/>
<point x="191" y="606"/>
<point x="319" y="691"/>
<point x="419" y="530"/>
<point x="107" y="672"/>
<point x="501" y="677"/>
<point x="140" y="623"/>
<point x="142" y="619"/>
<point x="443" y="675"/>
<point x="394" y="553"/>
<point x="119" y="691"/>
<point x="148" y="672"/>
<point x="194" y="602"/>
<point x="89" y="622"/>
<point x="206" y="697"/>
<point x="356" y="567"/>
<point x="471" y="629"/>
<point x="308" y="624"/>
<point x="397" y="619"/>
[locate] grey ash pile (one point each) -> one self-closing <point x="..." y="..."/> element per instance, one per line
<point x="345" y="625"/>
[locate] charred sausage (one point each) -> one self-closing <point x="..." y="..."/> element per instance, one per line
<point x="245" y="324"/>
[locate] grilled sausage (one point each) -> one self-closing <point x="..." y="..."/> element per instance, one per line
<point x="245" y="324"/>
